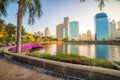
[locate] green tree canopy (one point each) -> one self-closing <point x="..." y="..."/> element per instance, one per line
<point x="11" y="29"/>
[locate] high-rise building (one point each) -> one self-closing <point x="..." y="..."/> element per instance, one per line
<point x="101" y="25"/>
<point x="59" y="31"/>
<point x="116" y="34"/>
<point x="93" y="37"/>
<point x="80" y="37"/>
<point x="118" y="25"/>
<point x="47" y="32"/>
<point x="74" y="30"/>
<point x="40" y="34"/>
<point x="89" y="36"/>
<point x="84" y="36"/>
<point x="112" y="27"/>
<point x="66" y="27"/>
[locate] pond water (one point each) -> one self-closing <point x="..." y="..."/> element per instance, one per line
<point x="107" y="52"/>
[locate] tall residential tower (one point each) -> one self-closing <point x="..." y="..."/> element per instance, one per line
<point x="118" y="25"/>
<point x="112" y="27"/>
<point x="59" y="31"/>
<point x="66" y="27"/>
<point x="47" y="32"/>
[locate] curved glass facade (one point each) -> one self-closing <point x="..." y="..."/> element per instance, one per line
<point x="101" y="23"/>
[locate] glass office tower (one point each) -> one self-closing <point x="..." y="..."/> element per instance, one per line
<point x="101" y="25"/>
<point x="74" y="29"/>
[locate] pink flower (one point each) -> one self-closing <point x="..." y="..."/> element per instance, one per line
<point x="28" y="46"/>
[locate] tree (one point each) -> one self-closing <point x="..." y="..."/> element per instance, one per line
<point x="2" y="28"/>
<point x="3" y="32"/>
<point x="32" y="7"/>
<point x="10" y="28"/>
<point x="23" y="32"/>
<point x="2" y="22"/>
<point x="30" y="37"/>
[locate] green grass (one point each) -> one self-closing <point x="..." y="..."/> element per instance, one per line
<point x="75" y="59"/>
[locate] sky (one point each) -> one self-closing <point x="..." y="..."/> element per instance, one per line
<point x="54" y="12"/>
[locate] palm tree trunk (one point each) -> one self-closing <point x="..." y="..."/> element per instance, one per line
<point x="19" y="24"/>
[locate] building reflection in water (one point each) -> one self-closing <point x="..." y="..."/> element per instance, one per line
<point x="74" y="49"/>
<point x="107" y="52"/>
<point x="114" y="53"/>
<point x="101" y="52"/>
<point x="87" y="50"/>
<point x="47" y="48"/>
<point x="59" y="48"/>
<point x="66" y="48"/>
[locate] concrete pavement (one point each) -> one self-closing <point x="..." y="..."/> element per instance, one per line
<point x="15" y="71"/>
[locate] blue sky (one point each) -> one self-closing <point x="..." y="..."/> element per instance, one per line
<point x="54" y="12"/>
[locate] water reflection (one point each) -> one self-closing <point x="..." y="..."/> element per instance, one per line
<point x="101" y="51"/>
<point x="59" y="48"/>
<point x="87" y="50"/>
<point x="114" y="53"/>
<point x="108" y="52"/>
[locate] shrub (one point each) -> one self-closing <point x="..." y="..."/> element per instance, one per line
<point x="75" y="59"/>
<point x="2" y="39"/>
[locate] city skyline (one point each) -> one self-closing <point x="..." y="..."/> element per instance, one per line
<point x="53" y="14"/>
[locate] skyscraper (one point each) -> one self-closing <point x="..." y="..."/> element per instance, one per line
<point x="101" y="25"/>
<point x="47" y="32"/>
<point x="118" y="25"/>
<point x="89" y="36"/>
<point x="59" y="31"/>
<point x="74" y="30"/>
<point x="40" y="34"/>
<point x="112" y="27"/>
<point x="116" y="34"/>
<point x="66" y="27"/>
<point x="84" y="36"/>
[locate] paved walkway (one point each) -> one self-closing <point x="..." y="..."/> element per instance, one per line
<point x="16" y="71"/>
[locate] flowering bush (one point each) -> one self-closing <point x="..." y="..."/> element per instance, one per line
<point x="28" y="46"/>
<point x="75" y="59"/>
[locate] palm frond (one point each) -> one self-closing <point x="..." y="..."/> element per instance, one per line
<point x="33" y="7"/>
<point x="3" y="6"/>
<point x="101" y="4"/>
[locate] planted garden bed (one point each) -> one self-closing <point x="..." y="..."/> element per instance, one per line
<point x="75" y="59"/>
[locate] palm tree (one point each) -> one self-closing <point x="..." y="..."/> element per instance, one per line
<point x="32" y="7"/>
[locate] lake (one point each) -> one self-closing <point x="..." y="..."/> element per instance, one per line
<point x="107" y="52"/>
